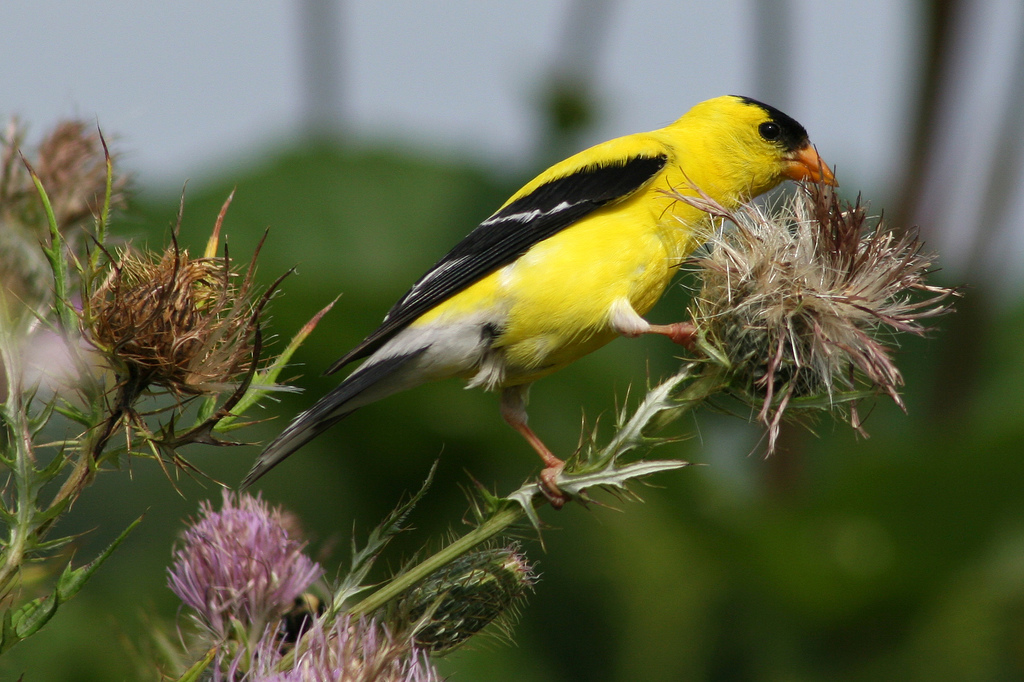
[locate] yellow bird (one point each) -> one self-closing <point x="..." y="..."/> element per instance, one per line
<point x="571" y="261"/>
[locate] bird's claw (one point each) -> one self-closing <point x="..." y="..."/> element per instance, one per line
<point x="549" y="486"/>
<point x="681" y="333"/>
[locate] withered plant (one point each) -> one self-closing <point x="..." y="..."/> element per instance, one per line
<point x="130" y="352"/>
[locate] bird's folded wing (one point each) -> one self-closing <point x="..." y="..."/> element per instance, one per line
<point x="509" y="233"/>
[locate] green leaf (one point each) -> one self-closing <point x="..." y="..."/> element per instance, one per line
<point x="265" y="381"/>
<point x="54" y="466"/>
<point x="104" y="217"/>
<point x="206" y="409"/>
<point x="31" y="617"/>
<point x="39" y="422"/>
<point x="58" y="264"/>
<point x="8" y="637"/>
<point x="76" y="415"/>
<point x="612" y="477"/>
<point x="48" y="545"/>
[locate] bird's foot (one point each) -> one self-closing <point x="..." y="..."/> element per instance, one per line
<point x="681" y="333"/>
<point x="548" y="485"/>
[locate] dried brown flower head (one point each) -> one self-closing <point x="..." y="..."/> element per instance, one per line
<point x="71" y="164"/>
<point x="799" y="301"/>
<point x="172" y="321"/>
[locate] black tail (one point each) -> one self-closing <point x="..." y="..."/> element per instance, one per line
<point x="327" y="412"/>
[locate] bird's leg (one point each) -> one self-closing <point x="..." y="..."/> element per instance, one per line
<point x="628" y="322"/>
<point x="513" y="410"/>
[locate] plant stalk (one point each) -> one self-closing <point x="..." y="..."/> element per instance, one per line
<point x="493" y="526"/>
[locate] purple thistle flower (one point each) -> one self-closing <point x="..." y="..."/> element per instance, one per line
<point x="240" y="565"/>
<point x="345" y="651"/>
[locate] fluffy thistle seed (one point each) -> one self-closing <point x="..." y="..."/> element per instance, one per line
<point x="798" y="300"/>
<point x="459" y="600"/>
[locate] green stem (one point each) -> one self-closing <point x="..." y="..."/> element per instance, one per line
<point x="17" y="422"/>
<point x="498" y="523"/>
<point x="710" y="380"/>
<point x="493" y="526"/>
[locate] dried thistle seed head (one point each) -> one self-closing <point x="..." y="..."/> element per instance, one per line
<point x="459" y="600"/>
<point x="71" y="164"/>
<point x="184" y="324"/>
<point x="802" y="299"/>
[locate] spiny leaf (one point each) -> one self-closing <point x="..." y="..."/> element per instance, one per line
<point x="613" y="477"/>
<point x="363" y="560"/>
<point x="55" y="255"/>
<point x="74" y="414"/>
<point x="55" y="465"/>
<point x="31" y="617"/>
<point x="71" y="581"/>
<point x="40" y="521"/>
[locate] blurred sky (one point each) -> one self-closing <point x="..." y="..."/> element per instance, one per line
<point x="188" y="83"/>
<point x="192" y="86"/>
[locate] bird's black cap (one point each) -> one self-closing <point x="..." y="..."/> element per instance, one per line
<point x="794" y="136"/>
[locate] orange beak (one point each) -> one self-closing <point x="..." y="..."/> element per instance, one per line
<point x="805" y="164"/>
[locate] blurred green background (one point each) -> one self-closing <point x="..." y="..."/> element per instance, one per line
<point x="899" y="557"/>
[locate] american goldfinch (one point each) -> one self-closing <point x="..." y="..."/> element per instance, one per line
<point x="571" y="261"/>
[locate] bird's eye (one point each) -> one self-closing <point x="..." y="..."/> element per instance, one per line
<point x="770" y="130"/>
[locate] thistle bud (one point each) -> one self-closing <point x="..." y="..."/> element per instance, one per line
<point x="71" y="165"/>
<point x="458" y="601"/>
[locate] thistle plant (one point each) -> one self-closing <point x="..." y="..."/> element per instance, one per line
<point x="797" y="311"/>
<point x="240" y="571"/>
<point x="156" y="352"/>
<point x="461" y="599"/>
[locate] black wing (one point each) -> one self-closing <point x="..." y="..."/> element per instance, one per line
<point x="507" y="235"/>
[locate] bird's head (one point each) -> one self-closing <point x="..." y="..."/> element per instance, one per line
<point x="754" y="146"/>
